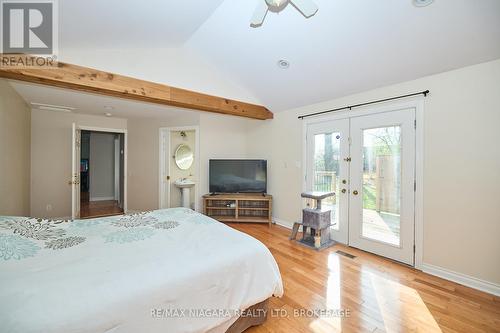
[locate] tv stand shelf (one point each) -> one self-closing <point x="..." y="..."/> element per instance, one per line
<point x="256" y="208"/>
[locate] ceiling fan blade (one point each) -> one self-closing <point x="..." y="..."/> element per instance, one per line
<point x="260" y="14"/>
<point x="307" y="7"/>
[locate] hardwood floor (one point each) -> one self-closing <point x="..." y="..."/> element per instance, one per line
<point x="377" y="294"/>
<point x="89" y="209"/>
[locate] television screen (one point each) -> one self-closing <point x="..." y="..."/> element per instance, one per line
<point x="238" y="176"/>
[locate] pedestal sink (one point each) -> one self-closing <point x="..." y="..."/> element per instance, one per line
<point x="185" y="185"/>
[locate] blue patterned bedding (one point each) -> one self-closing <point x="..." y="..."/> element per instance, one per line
<point x="22" y="237"/>
<point x="109" y="274"/>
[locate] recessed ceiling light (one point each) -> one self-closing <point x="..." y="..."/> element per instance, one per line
<point x="422" y="3"/>
<point x="107" y="107"/>
<point x="283" y="64"/>
<point x="107" y="114"/>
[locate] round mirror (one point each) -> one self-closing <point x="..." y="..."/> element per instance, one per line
<point x="184" y="157"/>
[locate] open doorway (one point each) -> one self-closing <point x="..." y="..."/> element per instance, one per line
<point x="101" y="173"/>
<point x="179" y="167"/>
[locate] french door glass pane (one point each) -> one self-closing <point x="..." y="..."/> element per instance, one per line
<point x="382" y="184"/>
<point x="326" y="171"/>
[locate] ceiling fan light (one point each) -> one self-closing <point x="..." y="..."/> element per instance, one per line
<point x="276" y="3"/>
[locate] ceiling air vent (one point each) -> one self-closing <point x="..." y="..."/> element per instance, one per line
<point x="49" y="107"/>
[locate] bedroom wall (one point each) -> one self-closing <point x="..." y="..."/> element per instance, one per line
<point x="15" y="122"/>
<point x="220" y="137"/>
<point x="102" y="166"/>
<point x="143" y="158"/>
<point x="177" y="67"/>
<point x="461" y="165"/>
<point x="51" y="158"/>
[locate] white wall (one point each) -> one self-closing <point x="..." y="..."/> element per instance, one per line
<point x="51" y="158"/>
<point x="15" y="121"/>
<point x="102" y="166"/>
<point x="144" y="160"/>
<point x="461" y="165"/>
<point x="181" y="68"/>
<point x="220" y="137"/>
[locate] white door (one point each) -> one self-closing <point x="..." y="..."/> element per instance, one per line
<point x="382" y="171"/>
<point x="164" y="168"/>
<point x="328" y="170"/>
<point x="75" y="172"/>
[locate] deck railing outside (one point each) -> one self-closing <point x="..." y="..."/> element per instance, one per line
<point x="325" y="181"/>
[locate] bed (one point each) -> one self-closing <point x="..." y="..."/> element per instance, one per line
<point x="170" y="270"/>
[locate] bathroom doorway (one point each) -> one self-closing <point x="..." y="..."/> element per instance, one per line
<point x="179" y="167"/>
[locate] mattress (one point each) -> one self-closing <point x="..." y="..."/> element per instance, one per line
<point x="170" y="270"/>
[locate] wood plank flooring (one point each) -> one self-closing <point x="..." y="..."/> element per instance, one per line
<point x="377" y="294"/>
<point x="90" y="209"/>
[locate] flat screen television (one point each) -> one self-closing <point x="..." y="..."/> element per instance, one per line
<point x="238" y="176"/>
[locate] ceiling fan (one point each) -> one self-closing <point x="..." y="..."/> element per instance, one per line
<point x="307" y="7"/>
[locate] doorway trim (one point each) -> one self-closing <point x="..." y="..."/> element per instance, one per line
<point x="418" y="105"/>
<point x="125" y="152"/>
<point x="164" y="169"/>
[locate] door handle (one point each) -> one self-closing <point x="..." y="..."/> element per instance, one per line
<point x="355" y="192"/>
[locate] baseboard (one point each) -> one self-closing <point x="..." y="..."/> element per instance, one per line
<point x="466" y="280"/>
<point x="101" y="198"/>
<point x="283" y="223"/>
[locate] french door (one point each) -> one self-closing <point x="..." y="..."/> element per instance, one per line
<point x="372" y="159"/>
<point x="328" y="170"/>
<point x="381" y="207"/>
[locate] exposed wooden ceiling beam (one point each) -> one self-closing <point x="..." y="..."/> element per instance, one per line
<point x="104" y="83"/>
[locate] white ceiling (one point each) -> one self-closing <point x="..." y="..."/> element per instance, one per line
<point x="349" y="46"/>
<point x="93" y="104"/>
<point x="131" y="23"/>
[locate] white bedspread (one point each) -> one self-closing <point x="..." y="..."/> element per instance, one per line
<point x="141" y="273"/>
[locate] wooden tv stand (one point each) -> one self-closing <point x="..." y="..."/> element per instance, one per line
<point x="256" y="208"/>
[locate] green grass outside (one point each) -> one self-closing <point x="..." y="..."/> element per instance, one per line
<point x="369" y="197"/>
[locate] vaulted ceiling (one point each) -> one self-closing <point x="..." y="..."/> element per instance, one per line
<point x="131" y="23"/>
<point x="349" y="46"/>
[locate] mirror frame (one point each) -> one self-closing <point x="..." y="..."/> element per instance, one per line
<point x="177" y="159"/>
